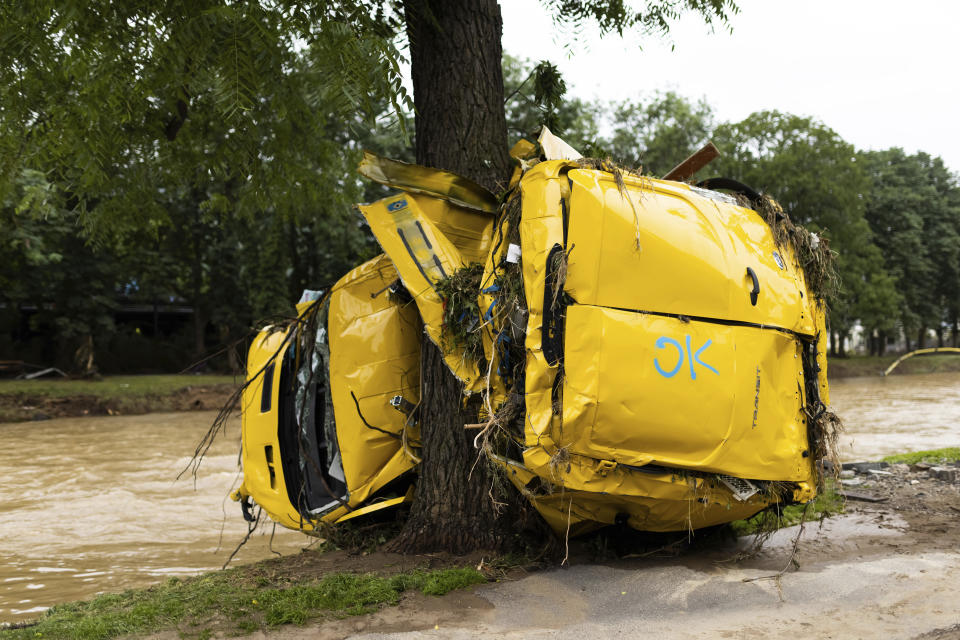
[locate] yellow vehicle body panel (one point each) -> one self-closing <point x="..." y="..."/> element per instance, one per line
<point x="669" y="364"/>
<point x="437" y="183"/>
<point x="374" y="355"/>
<point x="263" y="477"/>
<point x="542" y="190"/>
<point x="693" y="255"/>
<point x="666" y="363"/>
<point x="657" y="502"/>
<point x="641" y="389"/>
<point x="423" y="255"/>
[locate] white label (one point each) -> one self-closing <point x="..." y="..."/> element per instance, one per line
<point x="513" y="253"/>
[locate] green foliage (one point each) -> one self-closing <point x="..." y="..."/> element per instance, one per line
<point x="70" y="284"/>
<point x="826" y="504"/>
<point x="461" y="314"/>
<point x="536" y="95"/>
<point x="658" y="132"/>
<point x="618" y="16"/>
<point x="913" y="207"/>
<point x="102" y="93"/>
<point x="948" y="454"/>
<point x="198" y="152"/>
<point x="109" y="386"/>
<point x="247" y="605"/>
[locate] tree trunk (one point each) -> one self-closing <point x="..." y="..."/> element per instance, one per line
<point x="842" y="344"/>
<point x="451" y="509"/>
<point x="882" y="343"/>
<point x="921" y="337"/>
<point x="461" y="127"/>
<point x="196" y="282"/>
<point x="455" y="58"/>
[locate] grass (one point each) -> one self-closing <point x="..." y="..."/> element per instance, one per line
<point x="875" y="365"/>
<point x="22" y="400"/>
<point x="234" y="602"/>
<point x="949" y="454"/>
<point x="829" y="503"/>
<point x="110" y="386"/>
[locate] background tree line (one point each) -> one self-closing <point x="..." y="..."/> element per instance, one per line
<point x="238" y="246"/>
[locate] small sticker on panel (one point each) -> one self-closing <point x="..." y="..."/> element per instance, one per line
<point x="779" y="261"/>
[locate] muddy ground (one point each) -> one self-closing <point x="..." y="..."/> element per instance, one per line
<point x="22" y="407"/>
<point x="887" y="569"/>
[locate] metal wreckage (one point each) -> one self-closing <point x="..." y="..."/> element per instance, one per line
<point x="647" y="351"/>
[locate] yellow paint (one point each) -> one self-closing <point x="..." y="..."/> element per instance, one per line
<point x="374" y="353"/>
<point x="634" y="393"/>
<point x="411" y="178"/>
<point x="673" y="373"/>
<point x="423" y="256"/>
<point x="377" y="506"/>
<point x="259" y="431"/>
<point x="919" y="352"/>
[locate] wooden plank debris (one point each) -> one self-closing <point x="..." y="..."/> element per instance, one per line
<point x="862" y="497"/>
<point x="694" y="163"/>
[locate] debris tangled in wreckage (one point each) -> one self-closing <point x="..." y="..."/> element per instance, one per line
<point x="610" y="393"/>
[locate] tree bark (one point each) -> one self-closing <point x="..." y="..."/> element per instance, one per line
<point x="451" y="510"/>
<point x="455" y="58"/>
<point x="461" y="127"/>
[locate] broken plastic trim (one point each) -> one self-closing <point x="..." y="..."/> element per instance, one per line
<point x="741" y="489"/>
<point x="729" y="184"/>
<point x="432" y="182"/>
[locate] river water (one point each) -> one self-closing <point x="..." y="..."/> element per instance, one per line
<point x="901" y="413"/>
<point x="89" y="505"/>
<point x="92" y="504"/>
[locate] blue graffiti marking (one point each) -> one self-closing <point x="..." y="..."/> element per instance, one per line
<point x="397" y="204"/>
<point x="693" y="357"/>
<point x="693" y="373"/>
<point x="662" y="343"/>
<point x="696" y="355"/>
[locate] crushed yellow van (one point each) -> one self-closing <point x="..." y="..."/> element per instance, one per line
<point x="649" y="352"/>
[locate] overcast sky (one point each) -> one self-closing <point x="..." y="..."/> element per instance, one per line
<point x="880" y="73"/>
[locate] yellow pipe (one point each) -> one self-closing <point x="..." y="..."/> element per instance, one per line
<point x="917" y="353"/>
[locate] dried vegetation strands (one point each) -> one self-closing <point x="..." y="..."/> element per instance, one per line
<point x="617" y="172"/>
<point x="505" y="318"/>
<point x="291" y="328"/>
<point x="508" y="315"/>
<point x="461" y="312"/>
<point x="812" y="251"/>
<point x="823" y="429"/>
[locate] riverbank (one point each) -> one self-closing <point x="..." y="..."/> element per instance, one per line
<point x="293" y="590"/>
<point x="23" y="400"/>
<point x="902" y="524"/>
<point x="860" y="366"/>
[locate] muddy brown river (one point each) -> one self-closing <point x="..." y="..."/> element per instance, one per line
<point x="91" y="505"/>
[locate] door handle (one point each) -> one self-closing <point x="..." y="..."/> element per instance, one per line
<point x="756" y="286"/>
